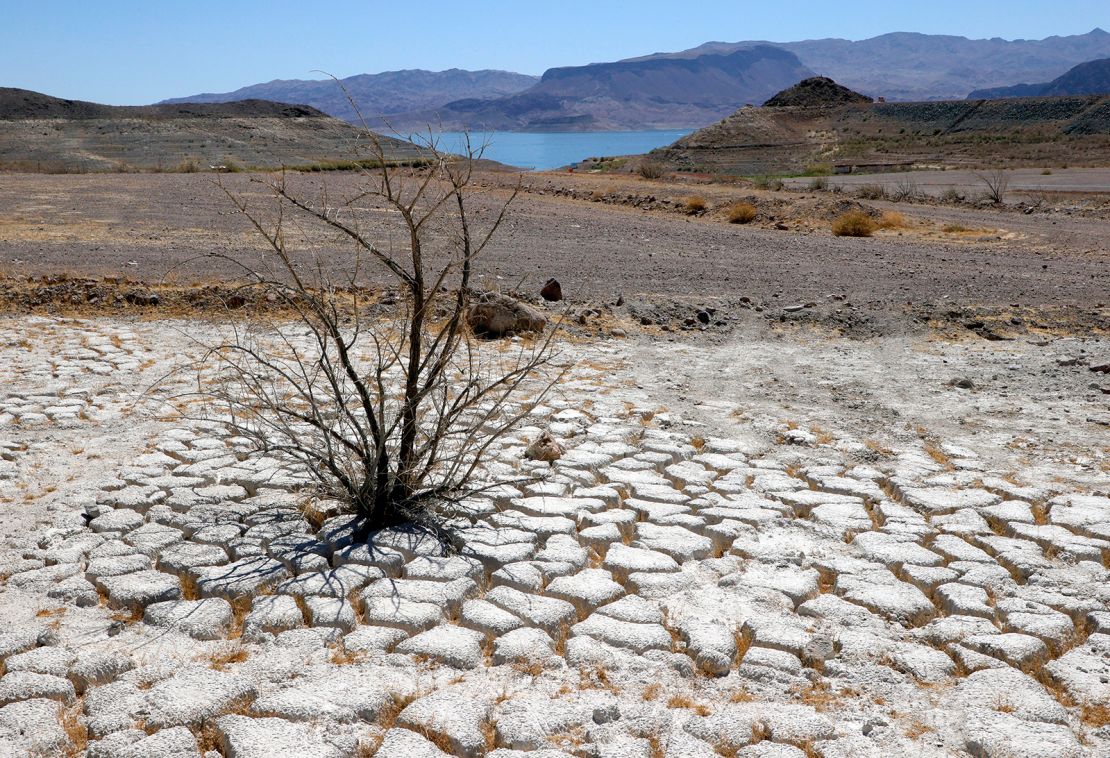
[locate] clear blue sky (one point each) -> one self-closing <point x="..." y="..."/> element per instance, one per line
<point x="131" y="52"/>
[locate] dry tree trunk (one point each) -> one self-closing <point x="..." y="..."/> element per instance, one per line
<point x="390" y="410"/>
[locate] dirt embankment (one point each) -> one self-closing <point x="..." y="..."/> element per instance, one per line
<point x="1027" y="131"/>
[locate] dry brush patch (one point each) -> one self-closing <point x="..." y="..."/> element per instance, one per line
<point x="391" y="412"/>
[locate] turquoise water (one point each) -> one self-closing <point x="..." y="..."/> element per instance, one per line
<point x="546" y="150"/>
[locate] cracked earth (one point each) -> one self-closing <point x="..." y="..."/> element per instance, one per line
<point x="777" y="546"/>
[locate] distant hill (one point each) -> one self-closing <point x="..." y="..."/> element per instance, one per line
<point x="378" y="95"/>
<point x="910" y="66"/>
<point x="43" y="133"/>
<point x="816" y="91"/>
<point x="881" y="136"/>
<point x="1091" y="78"/>
<point x="651" y="94"/>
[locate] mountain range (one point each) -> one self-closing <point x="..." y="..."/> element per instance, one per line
<point x="1091" y="78"/>
<point x="655" y="94"/>
<point x="685" y="89"/>
<point x="913" y="67"/>
<point x="377" y="94"/>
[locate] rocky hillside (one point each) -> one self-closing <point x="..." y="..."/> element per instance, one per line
<point x="651" y="94"/>
<point x="43" y="133"/>
<point x="816" y="91"/>
<point x="877" y="136"/>
<point x="908" y="66"/>
<point x="378" y="95"/>
<point x="1091" y="78"/>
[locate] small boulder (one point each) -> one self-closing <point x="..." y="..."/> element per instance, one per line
<point x="546" y="449"/>
<point x="552" y="291"/>
<point x="496" y="315"/>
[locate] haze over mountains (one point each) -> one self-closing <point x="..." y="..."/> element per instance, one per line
<point x="689" y="88"/>
<point x="378" y="94"/>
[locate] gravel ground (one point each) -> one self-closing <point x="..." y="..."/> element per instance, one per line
<point x="782" y="544"/>
<point x="152" y="227"/>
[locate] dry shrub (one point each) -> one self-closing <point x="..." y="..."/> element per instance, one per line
<point x="76" y="730"/>
<point x="853" y="224"/>
<point x="742" y="213"/>
<point x="696" y="204"/>
<point x="681" y="701"/>
<point x="893" y="220"/>
<point x="954" y="228"/>
<point x="651" y="692"/>
<point x="1095" y="715"/>
<point x="220" y="661"/>
<point x="651" y="170"/>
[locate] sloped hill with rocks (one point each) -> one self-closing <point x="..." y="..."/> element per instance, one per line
<point x="1091" y="78"/>
<point x="873" y="136"/>
<point x="43" y="133"/>
<point x="816" y="91"/>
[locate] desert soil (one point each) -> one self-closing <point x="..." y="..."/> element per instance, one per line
<point x="776" y="530"/>
<point x="588" y="232"/>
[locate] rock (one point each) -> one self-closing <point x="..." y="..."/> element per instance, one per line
<point x="552" y="291"/>
<point x="454" y="712"/>
<point x="208" y="619"/>
<point x="194" y="695"/>
<point x="97" y="667"/>
<point x="24" y="685"/>
<point x="407" y="743"/>
<point x="54" y="661"/>
<point x="526" y="645"/>
<point x="33" y="728"/>
<point x="244" y="737"/>
<point x="496" y="315"/>
<point x="546" y="448"/>
<point x="453" y="645"/>
<point x="138" y="590"/>
<point x="547" y="613"/>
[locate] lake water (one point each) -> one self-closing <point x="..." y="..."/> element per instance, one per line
<point x="546" y="150"/>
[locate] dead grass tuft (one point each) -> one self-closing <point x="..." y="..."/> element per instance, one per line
<point x="893" y="220"/>
<point x="682" y="701"/>
<point x="695" y="204"/>
<point x="340" y="656"/>
<point x="1095" y="715"/>
<point x="742" y="213"/>
<point x="76" y="731"/>
<point x="933" y="450"/>
<point x="916" y="728"/>
<point x="220" y="661"/>
<point x="853" y="224"/>
<point x="741" y="696"/>
<point x="651" y="692"/>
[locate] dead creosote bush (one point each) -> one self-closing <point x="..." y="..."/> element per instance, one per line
<point x="996" y="183"/>
<point x="871" y="192"/>
<point x="742" y="213"/>
<point x="854" y="224"/>
<point x="390" y="409"/>
<point x="651" y="170"/>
